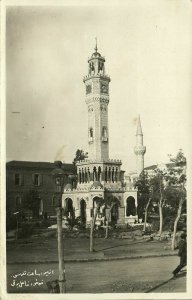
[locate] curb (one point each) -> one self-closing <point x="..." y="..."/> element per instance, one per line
<point x="92" y="259"/>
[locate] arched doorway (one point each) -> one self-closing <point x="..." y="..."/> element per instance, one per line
<point x="83" y="211"/>
<point x="68" y="208"/>
<point x="130" y="206"/>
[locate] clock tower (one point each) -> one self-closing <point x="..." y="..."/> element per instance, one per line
<point x="97" y="99"/>
<point x="100" y="179"/>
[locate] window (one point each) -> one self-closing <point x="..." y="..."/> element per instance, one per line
<point x="104" y="134"/>
<point x="91" y="134"/>
<point x="36" y="179"/>
<point x="18" y="179"/>
<point x="18" y="201"/>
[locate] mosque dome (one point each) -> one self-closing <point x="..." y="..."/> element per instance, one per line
<point x="96" y="54"/>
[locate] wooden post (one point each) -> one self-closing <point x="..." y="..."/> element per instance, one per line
<point x="60" y="251"/>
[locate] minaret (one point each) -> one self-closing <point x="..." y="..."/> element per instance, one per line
<point x="139" y="148"/>
<point x="97" y="99"/>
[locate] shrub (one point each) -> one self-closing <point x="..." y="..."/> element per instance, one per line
<point x="168" y="223"/>
<point x="46" y="223"/>
<point x="26" y="230"/>
<point x="155" y="225"/>
<point x="11" y="222"/>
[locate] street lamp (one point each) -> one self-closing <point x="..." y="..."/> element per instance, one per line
<point x="58" y="175"/>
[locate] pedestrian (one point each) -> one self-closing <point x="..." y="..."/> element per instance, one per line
<point x="182" y="253"/>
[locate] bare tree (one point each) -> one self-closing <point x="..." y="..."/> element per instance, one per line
<point x="146" y="210"/>
<point x="179" y="211"/>
<point x="110" y="202"/>
<point x="178" y="179"/>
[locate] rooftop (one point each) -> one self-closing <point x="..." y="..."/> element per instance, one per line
<point x="38" y="164"/>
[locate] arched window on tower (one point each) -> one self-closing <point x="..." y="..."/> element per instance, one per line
<point x="90" y="134"/>
<point x="83" y="176"/>
<point x="105" y="174"/>
<point x="113" y="175"/>
<point x="109" y="174"/>
<point x="92" y="69"/>
<point x="86" y="175"/>
<point x="99" y="174"/>
<point x="89" y="175"/>
<point x="104" y="134"/>
<point x="80" y="176"/>
<point x="94" y="174"/>
<point x="100" y="67"/>
<point x="116" y="174"/>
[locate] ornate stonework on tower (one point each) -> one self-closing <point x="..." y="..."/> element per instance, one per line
<point x="98" y="176"/>
<point x="139" y="148"/>
<point x="97" y="99"/>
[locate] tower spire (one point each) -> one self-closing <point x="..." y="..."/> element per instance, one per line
<point x="97" y="99"/>
<point x="139" y="129"/>
<point x="139" y="148"/>
<point x="96" y="45"/>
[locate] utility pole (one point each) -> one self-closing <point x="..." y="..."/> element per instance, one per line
<point x="58" y="175"/>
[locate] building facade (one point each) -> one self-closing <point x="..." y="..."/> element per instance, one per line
<point x="23" y="177"/>
<point x="99" y="176"/>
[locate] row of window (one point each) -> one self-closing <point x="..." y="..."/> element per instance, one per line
<point x="110" y="175"/>
<point x="36" y="179"/>
<point x="18" y="201"/>
<point x="104" y="133"/>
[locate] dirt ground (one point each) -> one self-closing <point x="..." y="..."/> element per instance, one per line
<point x="32" y="262"/>
<point x="123" y="276"/>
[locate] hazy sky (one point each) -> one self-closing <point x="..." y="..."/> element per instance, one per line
<point x="147" y="50"/>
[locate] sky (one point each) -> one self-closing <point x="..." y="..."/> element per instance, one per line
<point x="147" y="50"/>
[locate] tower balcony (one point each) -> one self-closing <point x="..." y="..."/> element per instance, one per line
<point x="140" y="150"/>
<point x="101" y="76"/>
<point x="101" y="161"/>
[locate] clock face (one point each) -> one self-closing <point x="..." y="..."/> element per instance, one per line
<point x="88" y="89"/>
<point x="104" y="88"/>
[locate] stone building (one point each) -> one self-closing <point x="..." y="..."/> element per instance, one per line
<point x="99" y="176"/>
<point x="25" y="176"/>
